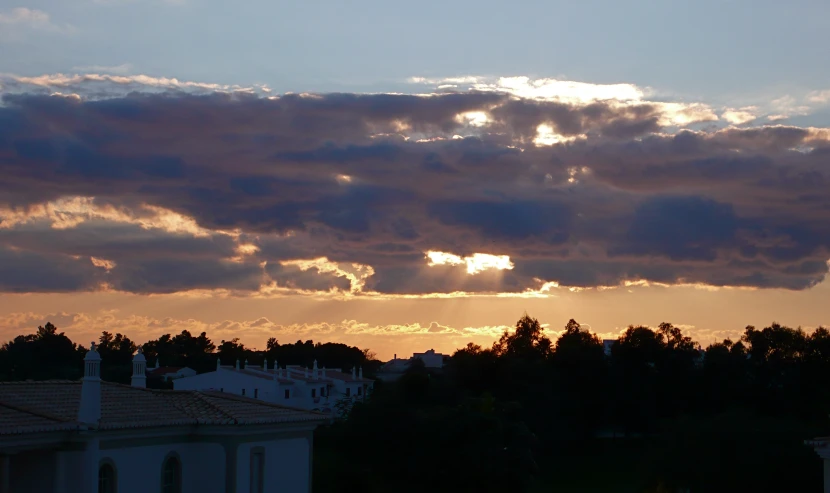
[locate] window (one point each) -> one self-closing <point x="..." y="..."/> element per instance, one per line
<point x="257" y="470"/>
<point x="287" y="393"/>
<point x="256" y="393"/>
<point x="359" y="390"/>
<point x="107" y="482"/>
<point x="313" y="392"/>
<point x="243" y="391"/>
<point x="322" y="391"/>
<point x="348" y="391"/>
<point x="171" y="475"/>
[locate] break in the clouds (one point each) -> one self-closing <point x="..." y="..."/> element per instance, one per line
<point x="513" y="187"/>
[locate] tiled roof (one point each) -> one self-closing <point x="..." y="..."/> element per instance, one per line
<point x="164" y="370"/>
<point x="53" y="405"/>
<point x="298" y="373"/>
<point x="346" y="377"/>
<point x="258" y="373"/>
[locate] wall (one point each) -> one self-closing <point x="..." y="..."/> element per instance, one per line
<point x="286" y="465"/>
<point x="32" y="472"/>
<point x="139" y="468"/>
<point x="233" y="382"/>
<point x="431" y="360"/>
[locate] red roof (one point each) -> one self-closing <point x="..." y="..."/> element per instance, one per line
<point x="29" y="407"/>
<point x="164" y="370"/>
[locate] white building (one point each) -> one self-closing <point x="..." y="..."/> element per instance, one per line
<point x="396" y="367"/>
<point x="170" y="372"/>
<point x="430" y="358"/>
<point x="92" y="436"/>
<point x="317" y="389"/>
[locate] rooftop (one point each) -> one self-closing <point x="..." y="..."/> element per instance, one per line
<point x="259" y="373"/>
<point x="164" y="370"/>
<point x="53" y="405"/>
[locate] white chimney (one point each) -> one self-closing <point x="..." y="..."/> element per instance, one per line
<point x="361" y="372"/>
<point x="265" y="365"/>
<point x="158" y="364"/>
<point x="246" y="363"/>
<point x="90" y="409"/>
<point x="139" y="378"/>
<point x="353" y="372"/>
<point x="218" y="363"/>
<point x="314" y="370"/>
<point x="237" y="364"/>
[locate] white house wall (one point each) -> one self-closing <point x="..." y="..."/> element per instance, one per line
<point x="139" y="469"/>
<point x="233" y="383"/>
<point x="32" y="472"/>
<point x="286" y="465"/>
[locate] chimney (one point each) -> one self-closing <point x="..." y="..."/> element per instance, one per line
<point x="361" y="373"/>
<point x="353" y="372"/>
<point x="246" y="363"/>
<point x="396" y="356"/>
<point x="139" y="378"/>
<point x="314" y="370"/>
<point x="89" y="411"/>
<point x="218" y="363"/>
<point x="158" y="364"/>
<point x="237" y="363"/>
<point x="265" y="365"/>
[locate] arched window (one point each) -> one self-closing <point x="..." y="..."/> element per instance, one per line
<point x="107" y="480"/>
<point x="171" y="475"/>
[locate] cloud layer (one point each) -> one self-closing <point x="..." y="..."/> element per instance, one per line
<point x="164" y="192"/>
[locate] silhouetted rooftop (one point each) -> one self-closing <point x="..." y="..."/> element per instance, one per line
<point x="52" y="405"/>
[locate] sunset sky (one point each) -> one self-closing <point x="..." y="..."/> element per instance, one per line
<point x="412" y="176"/>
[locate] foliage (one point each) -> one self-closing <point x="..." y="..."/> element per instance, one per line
<point x="493" y="414"/>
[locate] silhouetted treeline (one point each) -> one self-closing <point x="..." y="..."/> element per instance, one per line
<point x="49" y="354"/>
<point x="656" y="414"/>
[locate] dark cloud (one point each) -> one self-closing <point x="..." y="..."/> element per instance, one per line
<point x="305" y="177"/>
<point x="25" y="272"/>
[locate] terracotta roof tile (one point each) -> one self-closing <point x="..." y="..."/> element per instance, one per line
<point x="258" y="374"/>
<point x="164" y="370"/>
<point x="53" y="405"/>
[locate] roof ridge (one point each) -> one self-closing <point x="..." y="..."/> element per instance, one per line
<point x="227" y="396"/>
<point x="38" y="382"/>
<point x="39" y="414"/>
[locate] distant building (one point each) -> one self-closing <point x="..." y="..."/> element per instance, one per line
<point x="92" y="436"/>
<point x="316" y="389"/>
<point x="395" y="368"/>
<point x="166" y="373"/>
<point x="822" y="447"/>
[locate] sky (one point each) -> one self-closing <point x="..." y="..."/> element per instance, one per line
<point x="410" y="176"/>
